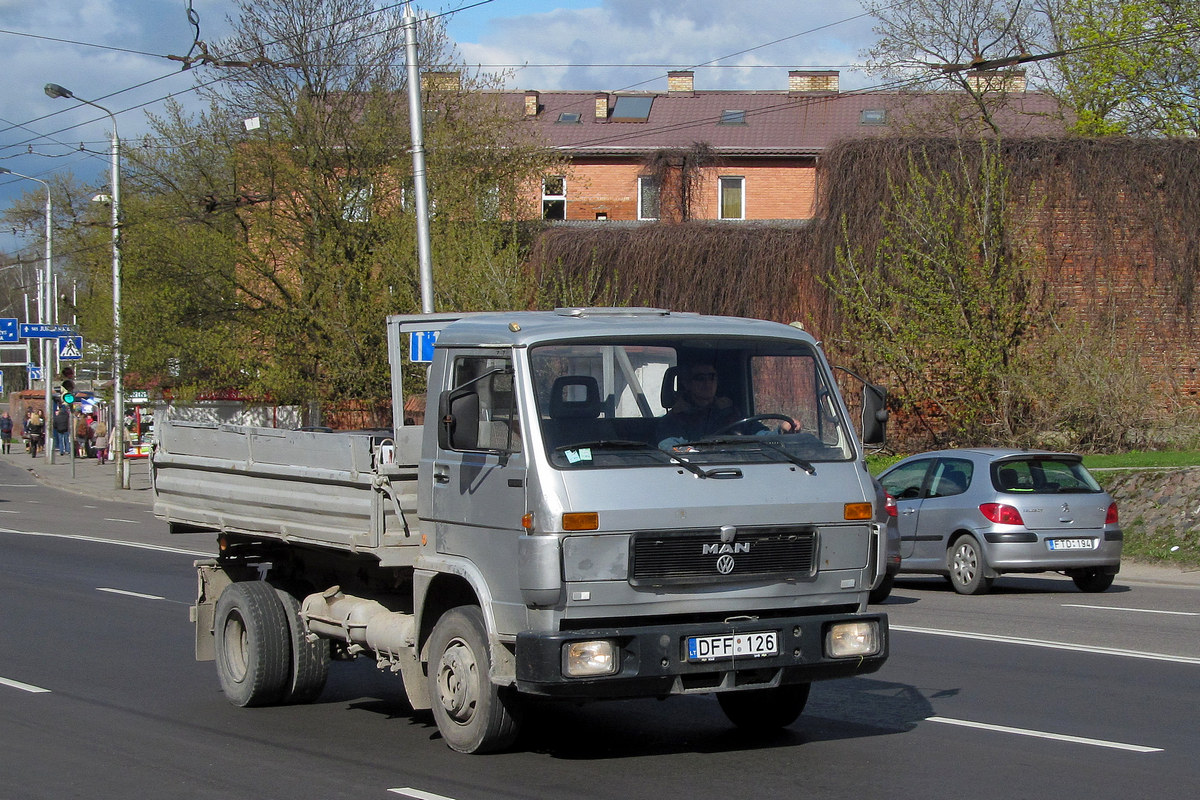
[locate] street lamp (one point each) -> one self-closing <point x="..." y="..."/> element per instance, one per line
<point x="44" y="313"/>
<point x="56" y="91"/>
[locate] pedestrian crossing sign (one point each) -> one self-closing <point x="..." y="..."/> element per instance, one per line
<point x="70" y="348"/>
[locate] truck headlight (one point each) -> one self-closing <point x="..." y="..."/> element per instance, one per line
<point x="849" y="639"/>
<point x="589" y="659"/>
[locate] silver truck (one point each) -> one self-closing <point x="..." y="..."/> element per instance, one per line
<point x="552" y="529"/>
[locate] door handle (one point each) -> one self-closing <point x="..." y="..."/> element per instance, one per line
<point x="441" y="475"/>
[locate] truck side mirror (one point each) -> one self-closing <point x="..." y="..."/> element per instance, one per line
<point x="458" y="420"/>
<point x="874" y="414"/>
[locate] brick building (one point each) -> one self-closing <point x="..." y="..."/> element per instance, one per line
<point x="747" y="155"/>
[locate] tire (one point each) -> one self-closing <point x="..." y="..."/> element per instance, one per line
<point x="1092" y="580"/>
<point x="309" y="663"/>
<point x="473" y="714"/>
<point x="883" y="590"/>
<point x="967" y="567"/>
<point x="253" y="646"/>
<point x="765" y="709"/>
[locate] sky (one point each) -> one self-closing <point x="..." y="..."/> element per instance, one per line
<point x="113" y="52"/>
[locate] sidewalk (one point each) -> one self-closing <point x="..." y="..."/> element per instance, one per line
<point x="86" y="476"/>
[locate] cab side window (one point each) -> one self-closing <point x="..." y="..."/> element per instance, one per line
<point x="481" y="408"/>
<point x="905" y="483"/>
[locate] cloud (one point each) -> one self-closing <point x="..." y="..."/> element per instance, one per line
<point x="747" y="35"/>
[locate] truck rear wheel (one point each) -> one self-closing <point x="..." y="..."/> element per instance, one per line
<point x="473" y="714"/>
<point x="310" y="660"/>
<point x="765" y="709"/>
<point x="253" y="647"/>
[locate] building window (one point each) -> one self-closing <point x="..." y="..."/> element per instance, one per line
<point x="732" y="117"/>
<point x="554" y="197"/>
<point x="648" y="197"/>
<point x="356" y="199"/>
<point x="630" y="108"/>
<point x="733" y="198"/>
<point x="570" y="117"/>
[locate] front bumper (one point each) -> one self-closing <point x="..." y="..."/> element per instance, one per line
<point x="653" y="661"/>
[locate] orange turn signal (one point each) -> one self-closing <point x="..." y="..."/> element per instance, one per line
<point x="859" y="511"/>
<point x="527" y="522"/>
<point x="581" y="521"/>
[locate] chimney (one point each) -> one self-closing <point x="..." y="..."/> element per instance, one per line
<point x="601" y="106"/>
<point x="531" y="103"/>
<point x="681" y="82"/>
<point x="443" y="81"/>
<point x="1008" y="80"/>
<point x="813" y="81"/>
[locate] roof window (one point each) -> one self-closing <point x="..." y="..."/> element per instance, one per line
<point x="570" y="116"/>
<point x="733" y="117"/>
<point x="872" y="116"/>
<point x="632" y="109"/>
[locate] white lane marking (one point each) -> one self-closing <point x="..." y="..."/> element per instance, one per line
<point x="6" y="511"/>
<point x="18" y="485"/>
<point x="24" y="687"/>
<point x="419" y="795"/>
<point x="1060" y="737"/>
<point x="130" y="521"/>
<point x="138" y="545"/>
<point x="129" y="594"/>
<point x="1139" y="610"/>
<point x="1078" y="648"/>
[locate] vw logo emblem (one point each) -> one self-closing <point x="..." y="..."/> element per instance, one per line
<point x="725" y="565"/>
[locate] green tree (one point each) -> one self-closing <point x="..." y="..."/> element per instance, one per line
<point x="943" y="304"/>
<point x="1130" y="66"/>
<point x="267" y="259"/>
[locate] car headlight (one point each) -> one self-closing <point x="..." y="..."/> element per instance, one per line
<point x="852" y="639"/>
<point x="589" y="659"/>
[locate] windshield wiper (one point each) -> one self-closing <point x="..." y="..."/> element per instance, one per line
<point x="759" y="441"/>
<point x="605" y="444"/>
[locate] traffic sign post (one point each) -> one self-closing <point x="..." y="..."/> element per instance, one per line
<point x="420" y="346"/>
<point x="9" y="329"/>
<point x="32" y="331"/>
<point x="70" y="348"/>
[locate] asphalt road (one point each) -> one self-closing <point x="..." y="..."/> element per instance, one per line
<point x="1034" y="691"/>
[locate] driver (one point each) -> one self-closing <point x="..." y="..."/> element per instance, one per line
<point x="698" y="410"/>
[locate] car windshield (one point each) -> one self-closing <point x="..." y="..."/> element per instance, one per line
<point x="674" y="401"/>
<point x="1042" y="476"/>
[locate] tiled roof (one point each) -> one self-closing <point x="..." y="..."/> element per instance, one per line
<point x="776" y="122"/>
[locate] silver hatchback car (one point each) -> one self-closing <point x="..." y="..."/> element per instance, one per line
<point x="973" y="514"/>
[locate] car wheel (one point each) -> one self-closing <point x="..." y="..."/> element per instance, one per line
<point x="253" y="644"/>
<point x="967" y="567"/>
<point x="765" y="709"/>
<point x="1091" y="580"/>
<point x="473" y="714"/>
<point x="883" y="590"/>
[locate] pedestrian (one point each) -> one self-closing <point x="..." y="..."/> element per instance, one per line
<point x="62" y="429"/>
<point x="6" y="430"/>
<point x="25" y="428"/>
<point x="100" y="437"/>
<point x="83" y="436"/>
<point x="37" y="430"/>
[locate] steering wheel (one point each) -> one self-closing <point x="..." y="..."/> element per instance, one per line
<point x="756" y="418"/>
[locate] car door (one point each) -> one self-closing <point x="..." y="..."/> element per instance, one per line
<point x="906" y="483"/>
<point x="943" y="509"/>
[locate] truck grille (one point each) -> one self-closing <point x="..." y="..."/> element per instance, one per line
<point x="666" y="557"/>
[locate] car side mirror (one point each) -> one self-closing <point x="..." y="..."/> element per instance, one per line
<point x="458" y="420"/>
<point x="874" y="414"/>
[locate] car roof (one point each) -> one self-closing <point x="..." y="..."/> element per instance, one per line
<point x="989" y="453"/>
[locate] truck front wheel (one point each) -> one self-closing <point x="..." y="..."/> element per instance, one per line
<point x="765" y="709"/>
<point x="253" y="646"/>
<point x="473" y="714"/>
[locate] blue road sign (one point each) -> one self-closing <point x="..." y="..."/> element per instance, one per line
<point x="46" y="331"/>
<point x="35" y="372"/>
<point x="70" y="348"/>
<point x="420" y="346"/>
<point x="8" y="329"/>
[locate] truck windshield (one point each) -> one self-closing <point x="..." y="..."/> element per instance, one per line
<point x="700" y="401"/>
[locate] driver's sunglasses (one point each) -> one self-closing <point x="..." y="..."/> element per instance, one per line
<point x="703" y="376"/>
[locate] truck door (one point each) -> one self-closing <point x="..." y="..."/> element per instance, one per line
<point x="479" y="471"/>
